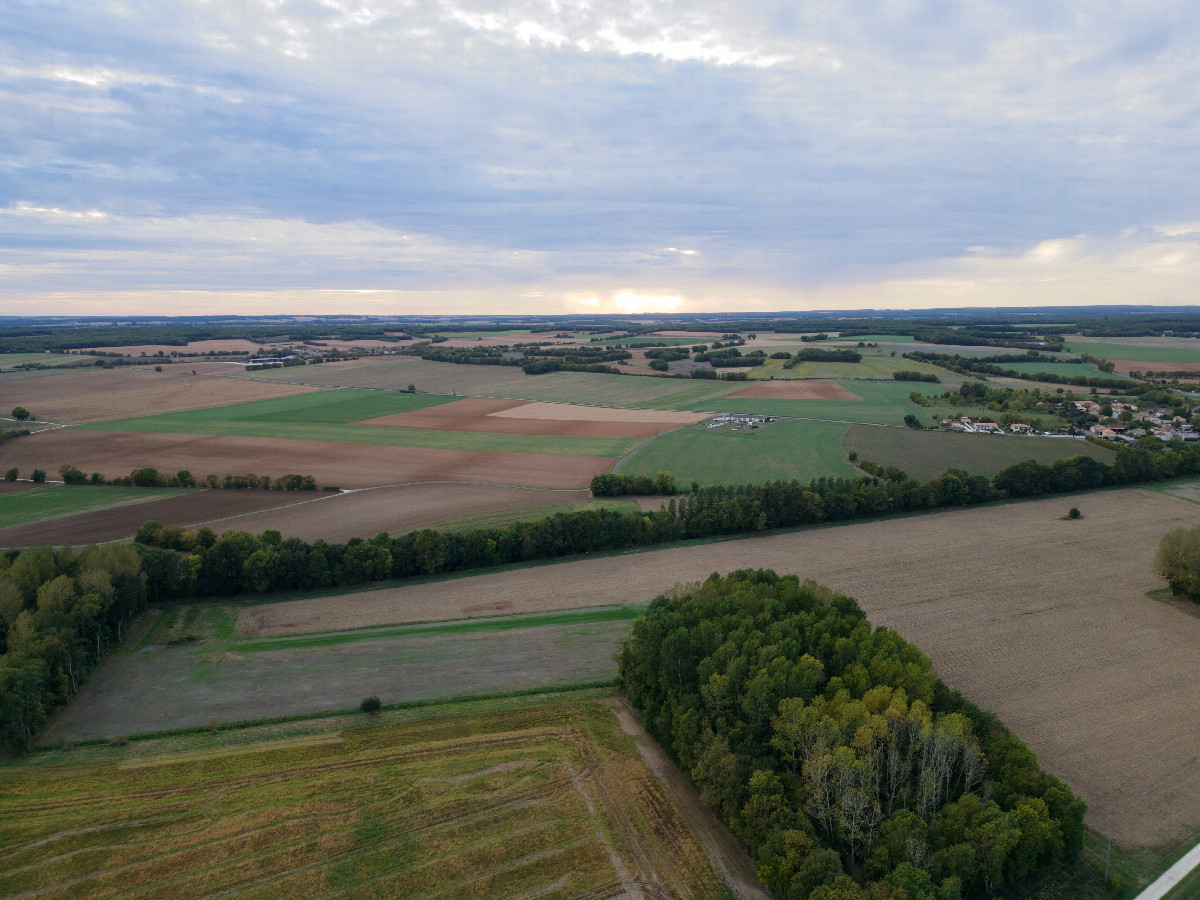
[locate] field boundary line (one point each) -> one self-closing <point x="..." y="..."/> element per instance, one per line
<point x="1167" y="881"/>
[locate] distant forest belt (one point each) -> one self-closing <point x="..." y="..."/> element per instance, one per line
<point x="380" y="437"/>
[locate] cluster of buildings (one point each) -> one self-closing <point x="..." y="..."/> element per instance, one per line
<point x="972" y="426"/>
<point x="739" y="420"/>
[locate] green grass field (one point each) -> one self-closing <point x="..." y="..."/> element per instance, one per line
<point x="927" y="454"/>
<point x="501" y="517"/>
<point x="1066" y="370"/>
<point x="327" y="416"/>
<point x="1159" y="350"/>
<point x="50" y="501"/>
<point x="882" y="402"/>
<point x="396" y="373"/>
<point x="786" y="450"/>
<point x="11" y="360"/>
<point x="546" y="799"/>
<point x="873" y="366"/>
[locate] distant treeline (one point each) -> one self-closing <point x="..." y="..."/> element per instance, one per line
<point x="907" y="375"/>
<point x="832" y="749"/>
<point x="239" y="562"/>
<point x="818" y="354"/>
<point x="995" y="365"/>
<point x="152" y="478"/>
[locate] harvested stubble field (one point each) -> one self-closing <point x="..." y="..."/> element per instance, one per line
<point x="164" y="685"/>
<point x="1043" y="620"/>
<point x="496" y="416"/>
<point x="548" y="801"/>
<point x="231" y="345"/>
<point x="927" y="454"/>
<point x="72" y="397"/>
<point x="396" y="373"/>
<point x="221" y="510"/>
<point x="117" y="453"/>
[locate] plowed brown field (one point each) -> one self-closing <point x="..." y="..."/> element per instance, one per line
<point x="482" y="414"/>
<point x="115" y="454"/>
<point x="220" y="509"/>
<point x="96" y="395"/>
<point x="1043" y="620"/>
<point x="795" y="390"/>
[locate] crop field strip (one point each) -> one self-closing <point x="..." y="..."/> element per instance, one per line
<point x="1148" y="350"/>
<point x="927" y="454"/>
<point x="549" y="800"/>
<point x="49" y="501"/>
<point x="1043" y="620"/>
<point x="882" y="402"/>
<point x="331" y="417"/>
<point x="191" y="665"/>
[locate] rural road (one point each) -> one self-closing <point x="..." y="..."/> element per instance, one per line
<point x="1168" y="879"/>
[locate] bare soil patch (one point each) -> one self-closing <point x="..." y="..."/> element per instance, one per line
<point x="122" y="523"/>
<point x="116" y="454"/>
<point x="1044" y="621"/>
<point x="492" y="416"/>
<point x="96" y="395"/>
<point x="796" y="390"/>
<point x="396" y="510"/>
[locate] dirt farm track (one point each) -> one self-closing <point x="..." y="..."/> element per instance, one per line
<point x="1043" y="620"/>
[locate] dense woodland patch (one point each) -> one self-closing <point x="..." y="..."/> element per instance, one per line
<point x="833" y="750"/>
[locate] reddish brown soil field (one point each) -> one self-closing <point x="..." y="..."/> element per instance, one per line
<point x="481" y="414"/>
<point x="115" y="454"/>
<point x="1043" y="620"/>
<point x="96" y="395"/>
<point x="122" y="523"/>
<point x="1125" y="366"/>
<point x="796" y="390"/>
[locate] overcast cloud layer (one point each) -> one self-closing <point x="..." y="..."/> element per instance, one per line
<point x="402" y="156"/>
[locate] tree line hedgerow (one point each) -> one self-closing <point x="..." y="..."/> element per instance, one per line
<point x="834" y="752"/>
<point x="200" y="563"/>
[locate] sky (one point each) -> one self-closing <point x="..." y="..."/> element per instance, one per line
<point x="391" y="157"/>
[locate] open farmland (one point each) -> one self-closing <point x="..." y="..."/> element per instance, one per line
<point x="227" y="345"/>
<point x="396" y="373"/>
<point x="781" y="451"/>
<point x="548" y="800"/>
<point x="927" y="454"/>
<point x="1044" y="620"/>
<point x="117" y="453"/>
<point x="347" y="417"/>
<point x="192" y="666"/>
<point x="50" y="501"/>
<point x="875" y="364"/>
<point x="495" y="416"/>
<point x="75" y="396"/>
<point x="1157" y="350"/>
<point x="880" y="402"/>
<point x="1062" y="369"/>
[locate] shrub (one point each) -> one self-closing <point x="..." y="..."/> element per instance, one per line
<point x="39" y="475"/>
<point x="71" y="475"/>
<point x="11" y="474"/>
<point x="371" y="705"/>
<point x="1178" y="561"/>
<point x="1074" y="512"/>
<point x="20" y="413"/>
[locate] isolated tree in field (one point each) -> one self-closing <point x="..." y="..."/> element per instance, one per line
<point x="39" y="475"/>
<point x="20" y="413"/>
<point x="11" y="474"/>
<point x="1074" y="512"/>
<point x="1178" y="561"/>
<point x="371" y="705"/>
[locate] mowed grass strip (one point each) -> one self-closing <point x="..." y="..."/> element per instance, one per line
<point x="326" y="416"/>
<point x="52" y="501"/>
<point x="785" y="450"/>
<point x="927" y="454"/>
<point x="496" y="803"/>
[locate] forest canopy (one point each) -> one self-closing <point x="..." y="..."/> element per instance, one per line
<point x="834" y="752"/>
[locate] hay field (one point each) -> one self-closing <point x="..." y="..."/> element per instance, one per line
<point x="549" y="801"/>
<point x="927" y="454"/>
<point x="76" y="396"/>
<point x="1043" y="620"/>
<point x="396" y="373"/>
<point x="785" y="450"/>
<point x="116" y="453"/>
